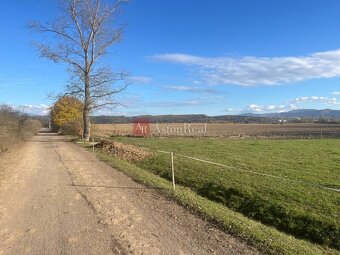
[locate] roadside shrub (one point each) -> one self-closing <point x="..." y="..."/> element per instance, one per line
<point x="28" y="128"/>
<point x="67" y="115"/>
<point x="7" y="142"/>
<point x="72" y="128"/>
<point x="302" y="226"/>
<point x="15" y="128"/>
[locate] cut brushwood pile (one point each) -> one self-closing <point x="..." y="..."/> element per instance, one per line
<point x="124" y="151"/>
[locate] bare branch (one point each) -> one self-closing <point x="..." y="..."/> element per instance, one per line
<point x="57" y="31"/>
<point x="73" y="4"/>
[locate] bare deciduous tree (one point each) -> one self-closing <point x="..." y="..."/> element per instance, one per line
<point x="82" y="36"/>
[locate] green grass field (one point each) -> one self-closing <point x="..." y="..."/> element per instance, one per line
<point x="299" y="209"/>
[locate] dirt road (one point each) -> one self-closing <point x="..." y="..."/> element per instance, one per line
<point x="57" y="198"/>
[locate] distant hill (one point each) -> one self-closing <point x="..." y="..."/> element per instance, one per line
<point x="308" y="115"/>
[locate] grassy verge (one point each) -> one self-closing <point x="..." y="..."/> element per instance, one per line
<point x="304" y="211"/>
<point x="265" y="238"/>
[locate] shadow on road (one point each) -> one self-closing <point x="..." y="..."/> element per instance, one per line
<point x="109" y="187"/>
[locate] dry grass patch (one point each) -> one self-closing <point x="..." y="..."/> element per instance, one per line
<point x="124" y="151"/>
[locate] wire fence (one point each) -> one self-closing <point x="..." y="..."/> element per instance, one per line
<point x="282" y="178"/>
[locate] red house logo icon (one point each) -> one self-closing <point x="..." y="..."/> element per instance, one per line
<point x="141" y="127"/>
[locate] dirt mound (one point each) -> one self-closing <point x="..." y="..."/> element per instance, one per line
<point x="124" y="151"/>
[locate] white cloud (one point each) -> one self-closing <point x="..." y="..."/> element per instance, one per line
<point x="292" y="104"/>
<point x="196" y="82"/>
<point x="337" y="93"/>
<point x="32" y="109"/>
<point x="193" y="89"/>
<point x="267" y="71"/>
<point x="140" y="79"/>
<point x="254" y="108"/>
<point x="316" y="99"/>
<point x="138" y="103"/>
<point x="180" y="103"/>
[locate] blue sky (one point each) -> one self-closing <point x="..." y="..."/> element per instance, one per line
<point x="193" y="56"/>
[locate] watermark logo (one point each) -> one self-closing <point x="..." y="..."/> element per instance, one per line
<point x="184" y="129"/>
<point x="141" y="127"/>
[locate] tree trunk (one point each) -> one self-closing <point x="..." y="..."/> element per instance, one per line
<point x="86" y="111"/>
<point x="87" y="125"/>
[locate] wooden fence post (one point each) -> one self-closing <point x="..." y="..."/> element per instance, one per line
<point x="92" y="143"/>
<point x="173" y="171"/>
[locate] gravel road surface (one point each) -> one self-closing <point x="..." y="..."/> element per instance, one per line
<point x="58" y="198"/>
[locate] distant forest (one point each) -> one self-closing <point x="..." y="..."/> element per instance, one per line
<point x="200" y="118"/>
